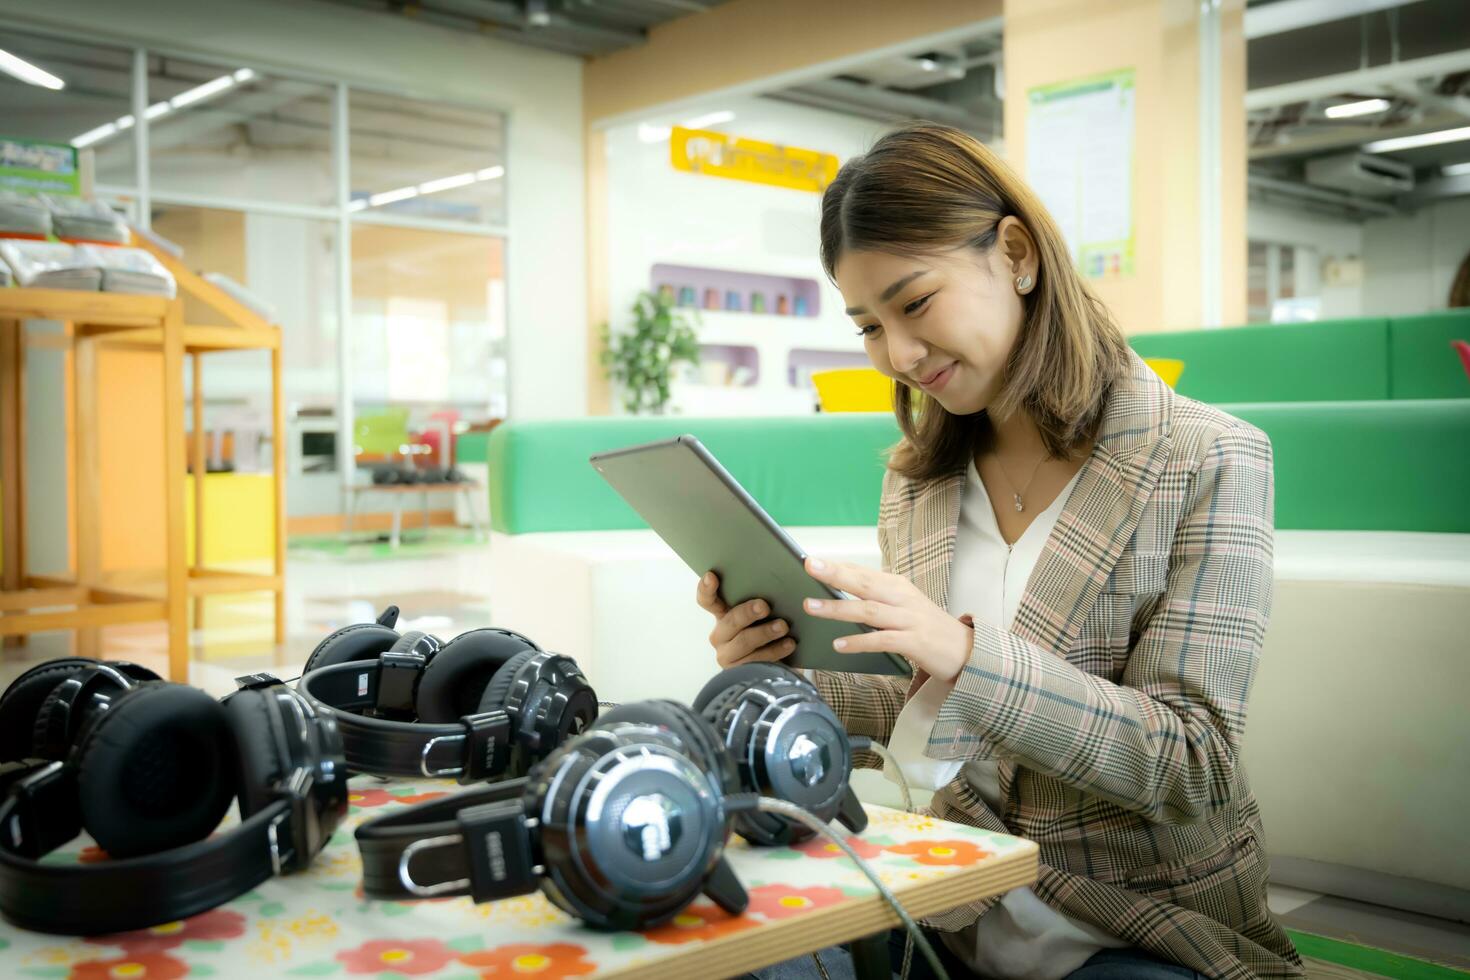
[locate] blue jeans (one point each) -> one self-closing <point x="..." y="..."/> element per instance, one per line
<point x="1107" y="964"/>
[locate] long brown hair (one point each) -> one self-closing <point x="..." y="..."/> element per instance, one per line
<point x="1460" y="288"/>
<point x="926" y="188"/>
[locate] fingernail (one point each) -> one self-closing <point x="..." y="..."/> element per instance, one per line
<point x="814" y="603"/>
<point x="760" y="608"/>
<point x="778" y="628"/>
<point x="839" y="644"/>
<point x="709" y="579"/>
<point x="818" y="564"/>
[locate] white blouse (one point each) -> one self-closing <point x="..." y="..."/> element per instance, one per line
<point x="1021" y="937"/>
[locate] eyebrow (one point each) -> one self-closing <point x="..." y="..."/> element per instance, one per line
<point x="888" y="293"/>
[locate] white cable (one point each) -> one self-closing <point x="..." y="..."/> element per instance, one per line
<point x="892" y="763"/>
<point x="791" y="811"/>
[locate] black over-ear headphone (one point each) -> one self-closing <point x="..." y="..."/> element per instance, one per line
<point x="148" y="769"/>
<point x="485" y="705"/>
<point x="787" y="744"/>
<point x="622" y="826"/>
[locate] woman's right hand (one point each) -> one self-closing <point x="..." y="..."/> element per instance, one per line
<point x="735" y="639"/>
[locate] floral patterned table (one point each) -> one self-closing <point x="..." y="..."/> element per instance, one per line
<point x="318" y="923"/>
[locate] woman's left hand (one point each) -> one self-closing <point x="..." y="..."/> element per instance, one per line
<point x="906" y="621"/>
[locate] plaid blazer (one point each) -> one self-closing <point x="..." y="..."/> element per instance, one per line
<point x="1114" y="706"/>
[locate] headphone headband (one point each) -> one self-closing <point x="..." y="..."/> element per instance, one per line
<point x="475" y="749"/>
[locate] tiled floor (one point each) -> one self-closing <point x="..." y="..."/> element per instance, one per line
<point x="441" y="586"/>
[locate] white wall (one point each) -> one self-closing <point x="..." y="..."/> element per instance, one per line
<point x="1331" y="237"/>
<point x="541" y="91"/>
<point x="1411" y="261"/>
<point x="659" y="214"/>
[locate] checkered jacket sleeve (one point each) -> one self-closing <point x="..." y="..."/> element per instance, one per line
<point x="1164" y="741"/>
<point x="867" y="704"/>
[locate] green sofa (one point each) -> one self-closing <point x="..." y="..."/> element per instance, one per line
<point x="1365" y="465"/>
<point x="1368" y="359"/>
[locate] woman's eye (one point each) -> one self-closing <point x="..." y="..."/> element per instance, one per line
<point x="866" y="329"/>
<point x="917" y="305"/>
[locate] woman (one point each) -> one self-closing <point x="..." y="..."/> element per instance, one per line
<point x="1076" y="561"/>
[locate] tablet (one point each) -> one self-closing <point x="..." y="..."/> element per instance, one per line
<point x="709" y="520"/>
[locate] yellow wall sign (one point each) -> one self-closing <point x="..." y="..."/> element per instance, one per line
<point x="700" y="151"/>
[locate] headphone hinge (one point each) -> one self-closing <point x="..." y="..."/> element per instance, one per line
<point x="486" y="745"/>
<point x="42" y="812"/>
<point x="398" y="679"/>
<point x="500" y="851"/>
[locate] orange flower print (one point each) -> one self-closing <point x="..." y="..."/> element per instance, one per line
<point x="369" y="797"/>
<point x="215" y="924"/>
<point x="941" y="852"/>
<point x="821" y="847"/>
<point x="544" y="962"/>
<point x="784" y="901"/>
<point x="698" y="923"/>
<point x="419" y="797"/>
<point x="92" y="854"/>
<point x="143" y="966"/>
<point x="410" y="956"/>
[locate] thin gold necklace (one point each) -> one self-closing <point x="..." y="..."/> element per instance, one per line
<point x="1020" y="505"/>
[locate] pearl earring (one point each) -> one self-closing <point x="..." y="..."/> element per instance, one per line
<point x="1023" y="283"/>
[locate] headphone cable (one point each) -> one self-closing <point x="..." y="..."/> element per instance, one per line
<point x="749" y="801"/>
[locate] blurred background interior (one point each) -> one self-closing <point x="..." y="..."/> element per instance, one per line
<point x="306" y="306"/>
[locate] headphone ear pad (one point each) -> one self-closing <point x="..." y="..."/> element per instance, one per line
<point x="454" y="681"/>
<point x="499" y="686"/>
<point x="155" y="770"/>
<point x="255" y="725"/>
<point x="360" y="641"/>
<point x="22" y="703"/>
<point x="736" y="678"/>
<point x="692" y="729"/>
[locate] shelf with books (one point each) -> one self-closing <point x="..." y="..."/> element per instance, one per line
<point x="735" y="291"/>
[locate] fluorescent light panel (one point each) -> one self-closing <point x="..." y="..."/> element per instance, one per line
<point x="1456" y="169"/>
<point x="1363" y="107"/>
<point x="188" y="97"/>
<point x="27" y="72"/>
<point x="1413" y="142"/>
<point x="427" y="187"/>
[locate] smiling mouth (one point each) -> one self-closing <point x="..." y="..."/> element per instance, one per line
<point x="924" y="382"/>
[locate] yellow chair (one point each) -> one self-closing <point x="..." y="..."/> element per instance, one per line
<point x="853" y="390"/>
<point x="1166" y="368"/>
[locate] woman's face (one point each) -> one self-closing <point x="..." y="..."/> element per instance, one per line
<point x="942" y="322"/>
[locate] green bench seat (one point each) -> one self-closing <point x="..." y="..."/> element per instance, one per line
<point x="1366" y="465"/>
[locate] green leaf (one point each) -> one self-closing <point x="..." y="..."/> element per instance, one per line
<point x="200" y="970"/>
<point x="627" y="940"/>
<point x="315" y="969"/>
<point x="466" y="944"/>
<point x="272" y="908"/>
<point x="45" y="971"/>
<point x="784" y="854"/>
<point x="204" y="945"/>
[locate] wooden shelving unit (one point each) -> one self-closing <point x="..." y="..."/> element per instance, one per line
<point x="84" y="601"/>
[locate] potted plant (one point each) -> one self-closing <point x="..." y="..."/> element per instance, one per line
<point x="640" y="360"/>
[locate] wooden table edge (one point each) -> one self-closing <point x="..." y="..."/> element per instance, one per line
<point x="752" y="949"/>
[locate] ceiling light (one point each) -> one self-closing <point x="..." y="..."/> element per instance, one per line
<point x="446" y="183"/>
<point x="1456" y="169"/>
<point x="187" y="97"/>
<point x="27" y="72"/>
<point x="928" y="64"/>
<point x="388" y="197"/>
<point x="357" y="204"/>
<point x="211" y="87"/>
<point x="93" y="135"/>
<point x="653" y="134"/>
<point x="709" y="119"/>
<point x="1363" y="107"/>
<point x="490" y="173"/>
<point x="1423" y="139"/>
